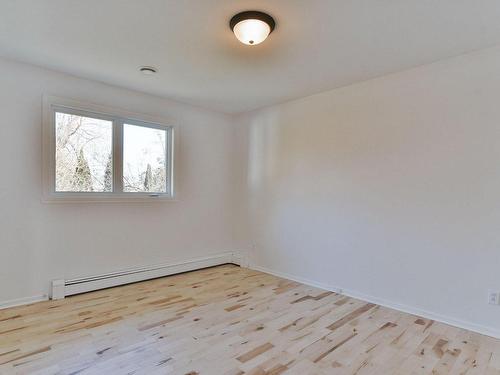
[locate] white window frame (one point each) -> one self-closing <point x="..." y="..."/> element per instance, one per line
<point x="118" y="117"/>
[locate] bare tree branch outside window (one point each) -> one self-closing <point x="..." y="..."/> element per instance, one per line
<point x="83" y="154"/>
<point x="144" y="159"/>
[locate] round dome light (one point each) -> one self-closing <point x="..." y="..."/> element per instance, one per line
<point x="252" y="27"/>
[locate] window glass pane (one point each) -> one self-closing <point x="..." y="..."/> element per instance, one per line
<point x="84" y="161"/>
<point x="144" y="159"/>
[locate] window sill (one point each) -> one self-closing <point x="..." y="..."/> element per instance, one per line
<point x="106" y="198"/>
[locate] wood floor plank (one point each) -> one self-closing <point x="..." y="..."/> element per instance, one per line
<point x="228" y="320"/>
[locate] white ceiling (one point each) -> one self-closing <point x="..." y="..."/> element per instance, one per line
<point x="317" y="45"/>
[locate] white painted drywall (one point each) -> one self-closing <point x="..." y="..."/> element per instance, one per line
<point x="40" y="242"/>
<point x="389" y="188"/>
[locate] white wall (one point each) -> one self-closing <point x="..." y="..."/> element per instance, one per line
<point x="388" y="188"/>
<point x="40" y="242"/>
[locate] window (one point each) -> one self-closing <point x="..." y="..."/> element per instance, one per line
<point x="91" y="153"/>
<point x="83" y="154"/>
<point x="144" y="159"/>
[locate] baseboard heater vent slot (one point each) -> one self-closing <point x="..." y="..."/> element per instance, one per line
<point x="62" y="288"/>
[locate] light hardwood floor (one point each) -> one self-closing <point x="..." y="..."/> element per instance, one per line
<point x="229" y="320"/>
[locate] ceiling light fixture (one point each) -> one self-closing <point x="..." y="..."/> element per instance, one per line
<point x="252" y="27"/>
<point x="147" y="70"/>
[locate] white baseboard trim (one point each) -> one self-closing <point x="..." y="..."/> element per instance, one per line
<point x="23" y="301"/>
<point x="131" y="275"/>
<point x="240" y="259"/>
<point x="484" y="330"/>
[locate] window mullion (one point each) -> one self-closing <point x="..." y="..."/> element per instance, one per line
<point x="117" y="156"/>
<point x="169" y="152"/>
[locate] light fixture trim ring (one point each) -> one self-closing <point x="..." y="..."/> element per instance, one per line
<point x="252" y="15"/>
